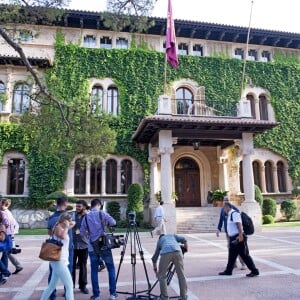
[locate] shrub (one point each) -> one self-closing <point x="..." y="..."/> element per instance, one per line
<point x="289" y="207"/>
<point x="268" y="219"/>
<point x="269" y="207"/>
<point x="113" y="208"/>
<point x="135" y="198"/>
<point x="258" y="195"/>
<point x="296" y="191"/>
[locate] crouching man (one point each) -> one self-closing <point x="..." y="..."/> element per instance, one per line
<point x="169" y="249"/>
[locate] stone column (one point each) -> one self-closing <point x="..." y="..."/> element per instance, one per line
<point x="275" y="180"/>
<point x="263" y="179"/>
<point x="119" y="177"/>
<point x="103" y="178"/>
<point x="250" y="206"/>
<point x="165" y="151"/>
<point x="88" y="177"/>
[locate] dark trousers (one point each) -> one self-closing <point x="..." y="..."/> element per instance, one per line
<point x="241" y="249"/>
<point x="80" y="257"/>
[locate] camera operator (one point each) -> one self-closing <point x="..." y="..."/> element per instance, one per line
<point x="170" y="251"/>
<point x="94" y="225"/>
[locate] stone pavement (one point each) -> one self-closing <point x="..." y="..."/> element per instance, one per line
<point x="276" y="252"/>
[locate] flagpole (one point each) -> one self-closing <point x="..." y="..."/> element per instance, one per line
<point x="165" y="74"/>
<point x="246" y="54"/>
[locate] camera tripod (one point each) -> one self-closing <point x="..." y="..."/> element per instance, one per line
<point x="135" y="244"/>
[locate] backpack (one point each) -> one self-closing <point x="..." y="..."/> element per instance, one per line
<point x="247" y="223"/>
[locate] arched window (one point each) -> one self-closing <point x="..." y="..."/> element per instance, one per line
<point x="95" y="177"/>
<point x="112" y="101"/>
<point x="281" y="177"/>
<point x="111" y="176"/>
<point x="21" y="98"/>
<point x="16" y="177"/>
<point x="263" y="107"/>
<point x="252" y="105"/>
<point x="184" y="100"/>
<point x="96" y="99"/>
<point x="269" y="177"/>
<point x="126" y="175"/>
<point x="80" y="177"/>
<point x="241" y="177"/>
<point x="2" y="94"/>
<point x="256" y="174"/>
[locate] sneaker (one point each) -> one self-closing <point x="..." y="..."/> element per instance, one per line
<point x="253" y="274"/>
<point x="113" y="297"/>
<point x="225" y="273"/>
<point x="2" y="281"/>
<point x="84" y="290"/>
<point x="95" y="298"/>
<point x="18" y="269"/>
<point x="101" y="267"/>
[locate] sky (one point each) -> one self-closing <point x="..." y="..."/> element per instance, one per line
<point x="266" y="14"/>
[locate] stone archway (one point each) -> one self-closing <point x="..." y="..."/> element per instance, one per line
<point x="187" y="183"/>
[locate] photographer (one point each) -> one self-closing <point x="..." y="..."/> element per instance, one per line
<point x="94" y="225"/>
<point x="170" y="251"/>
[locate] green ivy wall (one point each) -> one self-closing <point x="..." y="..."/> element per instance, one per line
<point x="139" y="75"/>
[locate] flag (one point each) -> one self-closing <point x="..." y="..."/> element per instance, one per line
<point x="171" y="47"/>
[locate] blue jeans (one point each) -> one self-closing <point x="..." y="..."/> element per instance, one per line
<point x="106" y="255"/>
<point x="59" y="271"/>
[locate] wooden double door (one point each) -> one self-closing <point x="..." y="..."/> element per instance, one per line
<point x="187" y="183"/>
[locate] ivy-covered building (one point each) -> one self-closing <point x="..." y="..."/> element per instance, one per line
<point x="198" y="133"/>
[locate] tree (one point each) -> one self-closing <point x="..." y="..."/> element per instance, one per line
<point x="61" y="126"/>
<point x="128" y="14"/>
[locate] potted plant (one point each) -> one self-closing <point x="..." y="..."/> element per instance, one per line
<point x="218" y="197"/>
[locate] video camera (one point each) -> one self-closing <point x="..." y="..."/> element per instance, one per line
<point x="15" y="250"/>
<point x="131" y="217"/>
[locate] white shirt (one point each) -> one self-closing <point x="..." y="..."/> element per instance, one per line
<point x="159" y="212"/>
<point x="232" y="227"/>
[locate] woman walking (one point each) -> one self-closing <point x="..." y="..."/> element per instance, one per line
<point x="60" y="268"/>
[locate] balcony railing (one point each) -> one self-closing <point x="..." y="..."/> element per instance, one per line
<point x="201" y="108"/>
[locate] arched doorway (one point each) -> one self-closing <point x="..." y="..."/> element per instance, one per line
<point x="187" y="183"/>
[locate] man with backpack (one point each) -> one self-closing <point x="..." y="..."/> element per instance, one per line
<point x="237" y="242"/>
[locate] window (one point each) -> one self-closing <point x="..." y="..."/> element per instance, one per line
<point x="263" y="107"/>
<point x="183" y="49"/>
<point x="126" y="175"/>
<point x="21" y="98"/>
<point x="16" y="177"/>
<point x="239" y="53"/>
<point x="184" y="100"/>
<point x="122" y="43"/>
<point x="256" y="174"/>
<point x="252" y="54"/>
<point x="281" y="177"/>
<point x="2" y="95"/>
<point x="252" y="105"/>
<point x="80" y="177"/>
<point x="96" y="177"/>
<point x="96" y="99"/>
<point x="197" y="50"/>
<point x="266" y="56"/>
<point x="89" y="41"/>
<point x="25" y="36"/>
<point x="112" y="101"/>
<point x="269" y="177"/>
<point x="105" y="42"/>
<point x="111" y="176"/>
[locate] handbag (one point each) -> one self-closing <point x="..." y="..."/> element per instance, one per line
<point x="51" y="250"/>
<point x="5" y="242"/>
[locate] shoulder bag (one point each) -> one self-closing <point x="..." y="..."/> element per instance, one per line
<point x="51" y="249"/>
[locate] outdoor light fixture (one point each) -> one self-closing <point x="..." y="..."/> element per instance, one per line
<point x="196" y="145"/>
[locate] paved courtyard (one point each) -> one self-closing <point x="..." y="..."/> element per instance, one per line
<point x="275" y="251"/>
